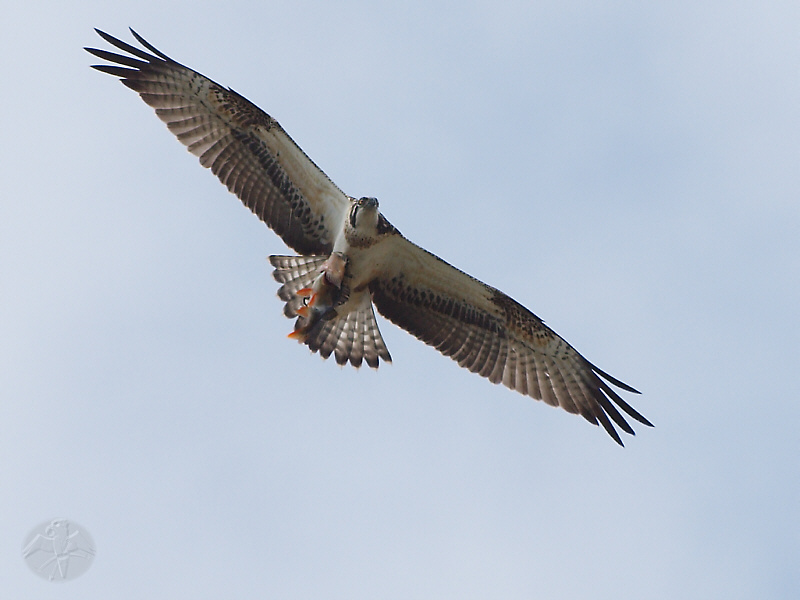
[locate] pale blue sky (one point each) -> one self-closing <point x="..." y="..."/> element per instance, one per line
<point x="628" y="171"/>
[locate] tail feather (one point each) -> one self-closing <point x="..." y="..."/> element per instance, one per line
<point x="353" y="338"/>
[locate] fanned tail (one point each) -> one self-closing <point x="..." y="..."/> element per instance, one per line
<point x="353" y="337"/>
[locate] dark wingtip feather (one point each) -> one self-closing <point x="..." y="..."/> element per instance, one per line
<point x="613" y="380"/>
<point x="629" y="410"/>
<point x="617" y="399"/>
<point x="113" y="70"/>
<point x="149" y="46"/>
<point x="117" y="43"/>
<point x="610" y="429"/>
<point x="117" y="58"/>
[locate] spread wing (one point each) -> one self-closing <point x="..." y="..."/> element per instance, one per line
<point x="242" y="145"/>
<point x="489" y="333"/>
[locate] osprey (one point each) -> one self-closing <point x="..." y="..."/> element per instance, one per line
<point x="352" y="258"/>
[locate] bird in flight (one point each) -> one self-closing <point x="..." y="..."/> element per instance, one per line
<point x="352" y="260"/>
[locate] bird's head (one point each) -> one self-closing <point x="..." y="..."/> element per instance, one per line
<point x="364" y="215"/>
